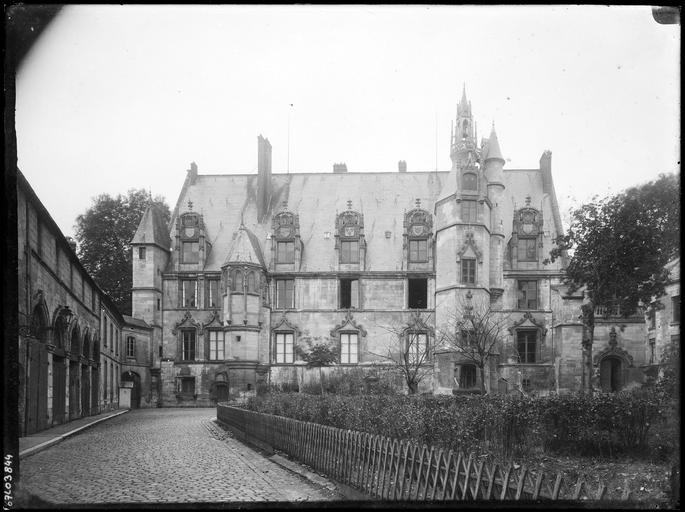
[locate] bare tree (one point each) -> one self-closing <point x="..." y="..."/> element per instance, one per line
<point x="475" y="332"/>
<point x="410" y="350"/>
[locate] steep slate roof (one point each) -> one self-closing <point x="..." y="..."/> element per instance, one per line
<point x="137" y="322"/>
<point x="152" y="229"/>
<point x="381" y="197"/>
<point x="493" y="150"/>
<point x="245" y="248"/>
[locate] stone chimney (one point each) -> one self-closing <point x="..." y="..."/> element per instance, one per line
<point x="263" y="176"/>
<point x="192" y="172"/>
<point x="402" y="166"/>
<point x="72" y="243"/>
<point x="341" y="167"/>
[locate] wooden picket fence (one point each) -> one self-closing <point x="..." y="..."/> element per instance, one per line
<point x="390" y="469"/>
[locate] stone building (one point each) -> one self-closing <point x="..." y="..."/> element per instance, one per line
<point x="70" y="332"/>
<point x="254" y="266"/>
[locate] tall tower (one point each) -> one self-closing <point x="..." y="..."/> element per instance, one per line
<point x="151" y="248"/>
<point x="463" y="144"/>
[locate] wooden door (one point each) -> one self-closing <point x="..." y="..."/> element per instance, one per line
<point x="85" y="392"/>
<point x="74" y="393"/>
<point x="610" y="375"/>
<point x="59" y="375"/>
<point x="37" y="388"/>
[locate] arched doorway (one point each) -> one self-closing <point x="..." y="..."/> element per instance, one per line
<point x="36" y="405"/>
<point x="220" y="388"/>
<point x="74" y="374"/>
<point x="135" y="389"/>
<point x="85" y="377"/>
<point x="611" y="374"/>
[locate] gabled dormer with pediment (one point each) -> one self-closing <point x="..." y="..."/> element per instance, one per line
<point x="525" y="245"/>
<point x="192" y="246"/>
<point x="286" y="244"/>
<point x="417" y="247"/>
<point x="350" y="244"/>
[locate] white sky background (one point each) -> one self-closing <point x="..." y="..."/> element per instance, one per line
<point x="118" y="97"/>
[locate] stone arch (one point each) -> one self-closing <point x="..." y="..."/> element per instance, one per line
<point x="40" y="321"/>
<point x="134" y="378"/>
<point x="86" y="343"/>
<point x="74" y="337"/>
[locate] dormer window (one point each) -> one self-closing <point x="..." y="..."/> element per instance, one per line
<point x="418" y="225"/>
<point x="350" y="237"/>
<point x="286" y="245"/>
<point x="190" y="252"/>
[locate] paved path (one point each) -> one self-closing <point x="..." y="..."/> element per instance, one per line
<point x="158" y="456"/>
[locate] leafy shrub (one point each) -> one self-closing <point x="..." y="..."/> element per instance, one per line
<point x="505" y="426"/>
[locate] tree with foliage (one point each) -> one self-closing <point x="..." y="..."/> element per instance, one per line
<point x="104" y="233"/>
<point x="317" y="355"/>
<point x="409" y="352"/>
<point x="475" y="332"/>
<point x="618" y="248"/>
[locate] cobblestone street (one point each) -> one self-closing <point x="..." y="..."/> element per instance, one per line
<point x="158" y="456"/>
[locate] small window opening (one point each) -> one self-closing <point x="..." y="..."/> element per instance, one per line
<point x="349" y="293"/>
<point x="418" y="294"/>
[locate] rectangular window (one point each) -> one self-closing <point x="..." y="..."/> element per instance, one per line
<point x="467" y="376"/>
<point x="528" y="295"/>
<point x="216" y="345"/>
<point x="141" y="253"/>
<point x="191" y="252"/>
<point x="527" y="249"/>
<point x="468" y="271"/>
<point x="349" y="348"/>
<point x="187" y="385"/>
<point x="527" y="346"/>
<point x="349" y="293"/>
<point x="418" y="250"/>
<point x="188" y="345"/>
<point x="189" y="293"/>
<point x="284" y="347"/>
<point x="285" y="296"/>
<point x="285" y="252"/>
<point x="159" y="304"/>
<point x="651" y="317"/>
<point x="468" y="338"/>
<point x="418" y="294"/>
<point x="349" y="251"/>
<point x="652" y="345"/>
<point x="104" y="336"/>
<point x="469" y="211"/>
<point x="111" y="336"/>
<point x="130" y="346"/>
<point x="675" y="303"/>
<point x="213" y="294"/>
<point x="418" y="345"/>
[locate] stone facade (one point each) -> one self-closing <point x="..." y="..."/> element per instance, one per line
<point x="70" y="334"/>
<point x="254" y="266"/>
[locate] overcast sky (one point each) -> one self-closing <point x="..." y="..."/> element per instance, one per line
<point x="118" y="97"/>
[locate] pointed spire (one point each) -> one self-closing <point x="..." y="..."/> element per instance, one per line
<point x="494" y="152"/>
<point x="463" y="101"/>
<point x="152" y="229"/>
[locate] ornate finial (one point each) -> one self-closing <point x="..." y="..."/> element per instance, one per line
<point x="150" y="194"/>
<point x="190" y="205"/>
<point x="349" y="204"/>
<point x="418" y="202"/>
<point x="242" y="224"/>
<point x="612" y="337"/>
<point x="469" y="237"/>
<point x="527" y="200"/>
<point x="284" y="205"/>
<point x="468" y="308"/>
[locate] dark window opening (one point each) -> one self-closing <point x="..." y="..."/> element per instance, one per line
<point x="237" y="338"/>
<point x="468" y="376"/>
<point x="418" y="294"/>
<point x="159" y="304"/>
<point x="418" y="250"/>
<point x="160" y="351"/>
<point x="675" y="302"/>
<point x="187" y="385"/>
<point x="349" y="293"/>
<point x="189" y="294"/>
<point x="527" y="346"/>
<point x="528" y="295"/>
<point x="141" y="253"/>
<point x="130" y="346"/>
